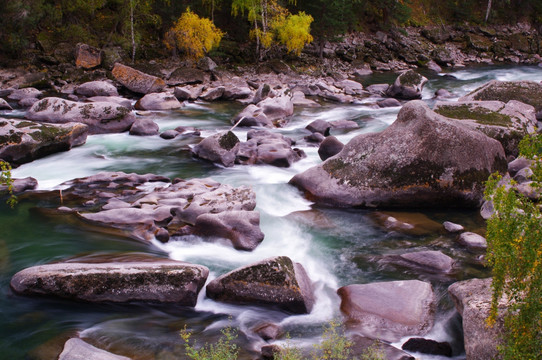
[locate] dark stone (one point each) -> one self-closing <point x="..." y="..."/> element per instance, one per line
<point x="144" y="127"/>
<point x="389" y="102"/>
<point x="329" y="147"/>
<point x="268" y="331"/>
<point x="428" y="346"/>
<point x="186" y="76"/>
<point x="169" y="134"/>
<point x="319" y="126"/>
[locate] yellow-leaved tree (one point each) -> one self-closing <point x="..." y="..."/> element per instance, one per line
<point x="193" y="35"/>
<point x="295" y="31"/>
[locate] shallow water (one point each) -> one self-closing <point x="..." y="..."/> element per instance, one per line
<point x="337" y="247"/>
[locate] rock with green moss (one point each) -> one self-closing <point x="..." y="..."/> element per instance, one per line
<point x="407" y="86"/>
<point x="506" y="122"/>
<point x="152" y="280"/>
<point x="100" y="117"/>
<point x="528" y="92"/>
<point x="422" y="160"/>
<point x="23" y="141"/>
<point x="220" y="148"/>
<point x="276" y="281"/>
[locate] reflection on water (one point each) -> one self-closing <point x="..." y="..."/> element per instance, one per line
<point x="336" y="246"/>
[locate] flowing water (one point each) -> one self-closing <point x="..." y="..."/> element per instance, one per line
<point x="337" y="247"/>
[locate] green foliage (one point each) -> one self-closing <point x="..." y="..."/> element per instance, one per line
<point x="334" y="345"/>
<point x="194" y="35"/>
<point x="223" y="349"/>
<point x="373" y="352"/>
<point x="514" y="235"/>
<point x="294" y="32"/>
<point x="6" y="180"/>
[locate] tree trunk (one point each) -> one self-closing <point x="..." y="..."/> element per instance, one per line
<point x="488" y="9"/>
<point x="132" y="30"/>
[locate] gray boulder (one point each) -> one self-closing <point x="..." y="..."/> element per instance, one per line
<point x="527" y="92"/>
<point x="100" y="117"/>
<point x="421" y="160"/>
<point x="137" y="81"/>
<point x="24" y="141"/>
<point x="452" y="227"/>
<point x="265" y="147"/>
<point x="213" y="93"/>
<point x="188" y="92"/>
<point x="220" y="148"/>
<point x="144" y="127"/>
<point x="77" y="349"/>
<point x="20" y="94"/>
<point x="156" y="281"/>
<point x="158" y="101"/>
<point x="252" y="115"/>
<point x="388" y="310"/>
<point x="127" y="103"/>
<point x="472" y="300"/>
<point x="276" y="281"/>
<point x="277" y="109"/>
<point x="96" y="88"/>
<point x="242" y="228"/>
<point x="407" y="86"/>
<point x="472" y="241"/>
<point x="506" y="122"/>
<point x="206" y="64"/>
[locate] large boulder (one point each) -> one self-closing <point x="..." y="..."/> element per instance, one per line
<point x="242" y="228"/>
<point x="100" y="117"/>
<point x="472" y="300"/>
<point x="407" y="86"/>
<point x="87" y="57"/>
<point x="154" y="281"/>
<point x="97" y="88"/>
<point x="276" y="281"/>
<point x="506" y="122"/>
<point x="252" y="115"/>
<point x="277" y="109"/>
<point x="137" y="81"/>
<point x="158" y="101"/>
<point x="528" y="92"/>
<point x="388" y="310"/>
<point x="422" y="160"/>
<point x="186" y="76"/>
<point x="24" y="141"/>
<point x="144" y="127"/>
<point x="77" y="349"/>
<point x="220" y="148"/>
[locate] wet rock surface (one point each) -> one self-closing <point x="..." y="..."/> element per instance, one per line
<point x="276" y="281"/>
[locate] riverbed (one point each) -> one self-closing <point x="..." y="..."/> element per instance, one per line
<point x="337" y="247"/>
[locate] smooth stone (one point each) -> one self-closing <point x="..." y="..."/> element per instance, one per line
<point x="329" y="147"/>
<point x="472" y="241"/>
<point x="452" y="227"/>
<point x="158" y="101"/>
<point x="77" y="349"/>
<point x="137" y="81"/>
<point x="144" y="127"/>
<point x="431" y="261"/>
<point x="96" y="88"/>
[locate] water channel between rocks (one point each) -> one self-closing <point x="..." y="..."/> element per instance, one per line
<point x="337" y="247"/>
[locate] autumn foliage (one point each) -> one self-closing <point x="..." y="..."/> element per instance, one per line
<point x="192" y="35"/>
<point x="295" y="32"/>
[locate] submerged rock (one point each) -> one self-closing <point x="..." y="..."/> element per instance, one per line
<point x="422" y="160"/>
<point x="156" y="281"/>
<point x="472" y="300"/>
<point x="23" y="141"/>
<point x="389" y="310"/>
<point x="428" y="261"/>
<point x="275" y="281"/>
<point x="100" y="117"/>
<point x="76" y="349"/>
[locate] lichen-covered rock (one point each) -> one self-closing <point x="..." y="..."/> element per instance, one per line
<point x="388" y="310"/>
<point x="506" y="122"/>
<point x="528" y="92"/>
<point x="242" y="228"/>
<point x="158" y="101"/>
<point x="407" y="86"/>
<point x="156" y="281"/>
<point x="137" y="81"/>
<point x="100" y="117"/>
<point x="76" y="349"/>
<point x="472" y="300"/>
<point x="276" y="281"/>
<point x="87" y="57"/>
<point x="97" y="88"/>
<point x="422" y="160"/>
<point x="220" y="148"/>
<point x="24" y="141"/>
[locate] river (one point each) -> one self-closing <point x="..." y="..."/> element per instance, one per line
<point x="337" y="247"/>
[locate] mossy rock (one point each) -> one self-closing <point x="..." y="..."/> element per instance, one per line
<point x="528" y="92"/>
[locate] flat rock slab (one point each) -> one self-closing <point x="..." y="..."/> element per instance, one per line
<point x="472" y="300"/>
<point x="389" y="310"/>
<point x="164" y="281"/>
<point x="422" y="160"/>
<point x="77" y="349"/>
<point x="22" y="141"/>
<point x="100" y="117"/>
<point x="528" y="92"/>
<point x="275" y="281"/>
<point x="429" y="261"/>
<point x="137" y="81"/>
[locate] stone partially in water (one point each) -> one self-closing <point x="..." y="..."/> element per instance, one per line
<point x="159" y="281"/>
<point x="421" y="160"/>
<point x="220" y="148"/>
<point x="472" y="241"/>
<point x="528" y="92"/>
<point x="429" y="261"/>
<point x="276" y="281"/>
<point x="407" y="86"/>
<point x="389" y="310"/>
<point x="158" y="101"/>
<point x="75" y="349"/>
